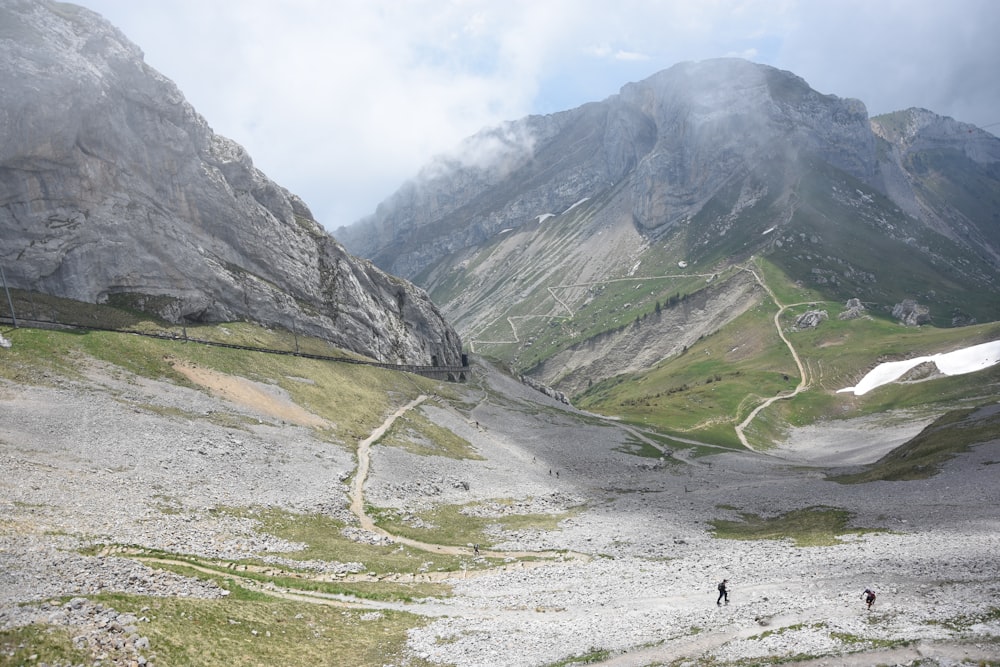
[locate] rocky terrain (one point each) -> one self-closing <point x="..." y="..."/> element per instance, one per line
<point x="103" y="461"/>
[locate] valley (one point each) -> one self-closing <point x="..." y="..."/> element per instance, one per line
<point x="719" y="327"/>
<point x="600" y="541"/>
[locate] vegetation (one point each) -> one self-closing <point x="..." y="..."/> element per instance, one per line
<point x="417" y="434"/>
<point x="324" y="540"/>
<point x="38" y="644"/>
<point x="267" y="632"/>
<point x="351" y="398"/>
<point x="253" y="625"/>
<point x="965" y="621"/>
<point x="463" y="524"/>
<point x="809" y="527"/>
<point x="701" y="393"/>
<point x="706" y="391"/>
<point x="588" y="658"/>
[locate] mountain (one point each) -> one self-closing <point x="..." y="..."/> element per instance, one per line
<point x="544" y="239"/>
<point x="114" y="189"/>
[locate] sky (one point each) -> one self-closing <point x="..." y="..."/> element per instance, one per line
<point x="342" y="101"/>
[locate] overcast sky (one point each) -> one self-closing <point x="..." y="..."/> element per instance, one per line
<point x="342" y="101"/>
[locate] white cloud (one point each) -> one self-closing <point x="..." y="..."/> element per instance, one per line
<point x="342" y="100"/>
<point x="630" y="55"/>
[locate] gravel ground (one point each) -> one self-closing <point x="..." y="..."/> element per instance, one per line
<point x="117" y="459"/>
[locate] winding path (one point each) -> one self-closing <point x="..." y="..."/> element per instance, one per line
<point x="803" y="375"/>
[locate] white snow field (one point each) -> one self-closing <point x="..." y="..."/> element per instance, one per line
<point x="959" y="362"/>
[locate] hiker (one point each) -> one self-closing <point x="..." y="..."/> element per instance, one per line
<point x="869" y="597"/>
<point x="475" y="549"/>
<point x="723" y="592"/>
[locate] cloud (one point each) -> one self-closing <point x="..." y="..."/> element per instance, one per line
<point x="341" y="101"/>
<point x="630" y="55"/>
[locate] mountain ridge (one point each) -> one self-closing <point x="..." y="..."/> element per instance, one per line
<point x="692" y="171"/>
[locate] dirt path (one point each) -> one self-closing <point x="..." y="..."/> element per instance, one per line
<point x="364" y="463"/>
<point x="272" y="401"/>
<point x="358" y="505"/>
<point x="803" y="375"/>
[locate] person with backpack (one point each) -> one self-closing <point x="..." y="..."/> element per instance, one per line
<point x="869" y="597"/>
<point x="723" y="592"/>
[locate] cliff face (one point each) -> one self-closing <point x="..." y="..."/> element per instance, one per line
<point x="671" y="141"/>
<point x="112" y="184"/>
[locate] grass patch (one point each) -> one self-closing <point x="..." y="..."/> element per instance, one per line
<point x="922" y="457"/>
<point x="637" y="447"/>
<point x="40" y="644"/>
<point x="325" y="541"/>
<point x="964" y="622"/>
<point x="240" y="582"/>
<point x="208" y="633"/>
<point x="705" y="391"/>
<point x="713" y="385"/>
<point x="588" y="658"/>
<point x="449" y="524"/>
<point x="353" y="398"/>
<point x="809" y="527"/>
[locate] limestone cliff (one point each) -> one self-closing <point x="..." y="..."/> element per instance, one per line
<point x="112" y="184"/>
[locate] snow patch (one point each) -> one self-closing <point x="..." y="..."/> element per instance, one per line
<point x="544" y="216"/>
<point x="959" y="362"/>
<point x="576" y="204"/>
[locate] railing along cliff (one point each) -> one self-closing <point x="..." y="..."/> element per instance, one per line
<point x="446" y="373"/>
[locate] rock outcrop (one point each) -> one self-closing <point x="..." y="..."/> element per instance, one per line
<point x="810" y="319"/>
<point x="911" y="314"/>
<point x="113" y="187"/>
<point x="853" y="309"/>
<point x="665" y="146"/>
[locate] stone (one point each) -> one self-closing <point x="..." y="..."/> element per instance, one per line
<point x="911" y="314"/>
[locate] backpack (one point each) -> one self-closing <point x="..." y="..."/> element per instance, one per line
<point x="722" y="585"/>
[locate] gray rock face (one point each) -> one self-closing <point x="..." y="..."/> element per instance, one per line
<point x="669" y="146"/>
<point x="934" y="168"/>
<point x="720" y="118"/>
<point x="671" y="142"/>
<point x="810" y="319"/>
<point x="853" y="309"/>
<point x="911" y="314"/>
<point x="111" y="185"/>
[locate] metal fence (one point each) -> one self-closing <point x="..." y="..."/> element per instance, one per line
<point x="449" y="373"/>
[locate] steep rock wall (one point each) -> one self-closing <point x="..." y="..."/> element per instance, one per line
<point x="112" y="184"/>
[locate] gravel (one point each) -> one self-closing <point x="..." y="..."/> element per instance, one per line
<point x="116" y="459"/>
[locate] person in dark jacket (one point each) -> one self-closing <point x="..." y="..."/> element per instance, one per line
<point x="723" y="592"/>
<point x="869" y="597"/>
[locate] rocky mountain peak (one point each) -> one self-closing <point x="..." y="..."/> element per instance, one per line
<point x="671" y="141"/>
<point x="665" y="186"/>
<point x="113" y="186"/>
<point x="919" y="129"/>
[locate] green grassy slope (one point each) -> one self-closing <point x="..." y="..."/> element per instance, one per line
<point x="714" y="385"/>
